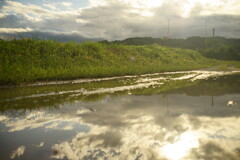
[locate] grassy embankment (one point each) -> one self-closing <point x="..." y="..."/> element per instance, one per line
<point x="24" y="61"/>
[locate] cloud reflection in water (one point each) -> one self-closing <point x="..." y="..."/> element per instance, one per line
<point x="182" y="124"/>
<point x="139" y="133"/>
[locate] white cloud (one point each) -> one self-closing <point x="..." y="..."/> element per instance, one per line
<point x="2" y="15"/>
<point x="51" y="6"/>
<point x="78" y="20"/>
<point x="37" y="11"/>
<point x="3" y="117"/>
<point x="95" y="3"/>
<point x="143" y="137"/>
<point x="143" y="3"/>
<point x="129" y="142"/>
<point x="25" y="9"/>
<point x="40" y="145"/>
<point x="15" y="30"/>
<point x="206" y="7"/>
<point x="185" y="7"/>
<point x="66" y="4"/>
<point x="18" y="152"/>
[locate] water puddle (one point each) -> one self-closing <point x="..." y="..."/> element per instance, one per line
<point x="173" y="116"/>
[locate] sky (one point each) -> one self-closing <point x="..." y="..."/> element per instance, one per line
<point x="120" y="19"/>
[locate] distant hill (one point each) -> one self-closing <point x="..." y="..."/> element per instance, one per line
<point x="190" y="42"/>
<point x="217" y="47"/>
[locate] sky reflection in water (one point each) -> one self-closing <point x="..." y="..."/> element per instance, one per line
<point x="189" y="123"/>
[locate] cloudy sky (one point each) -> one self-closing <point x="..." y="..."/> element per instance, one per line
<point x="120" y="19"/>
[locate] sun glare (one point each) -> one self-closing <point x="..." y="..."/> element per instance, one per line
<point x="187" y="9"/>
<point x="181" y="148"/>
<point x="144" y="3"/>
<point x="144" y="13"/>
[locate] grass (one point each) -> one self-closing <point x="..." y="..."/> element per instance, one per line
<point x="26" y="61"/>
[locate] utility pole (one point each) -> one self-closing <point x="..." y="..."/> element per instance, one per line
<point x="99" y="36"/>
<point x="212" y="101"/>
<point x="206" y="40"/>
<point x="213" y="40"/>
<point x="168" y="28"/>
<point x="168" y="32"/>
<point x="11" y="20"/>
<point x="0" y="26"/>
<point x="213" y="32"/>
<point x="11" y="26"/>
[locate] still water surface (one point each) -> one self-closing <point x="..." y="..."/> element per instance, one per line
<point x="170" y="116"/>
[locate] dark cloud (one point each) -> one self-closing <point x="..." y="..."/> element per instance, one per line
<point x="213" y="151"/>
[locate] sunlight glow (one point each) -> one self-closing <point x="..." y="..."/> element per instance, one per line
<point x="143" y="7"/>
<point x="186" y="9"/>
<point x="144" y="3"/>
<point x="181" y="148"/>
<point x="143" y="13"/>
<point x="78" y="20"/>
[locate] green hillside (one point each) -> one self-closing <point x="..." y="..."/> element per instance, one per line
<point x="25" y="61"/>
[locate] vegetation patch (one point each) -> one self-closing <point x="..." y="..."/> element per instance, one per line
<point x="26" y="60"/>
